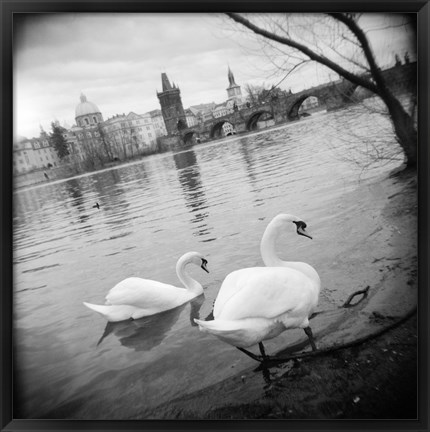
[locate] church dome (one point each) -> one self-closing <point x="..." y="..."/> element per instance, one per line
<point x="86" y="107"/>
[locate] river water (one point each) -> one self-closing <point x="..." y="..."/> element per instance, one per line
<point x="215" y="198"/>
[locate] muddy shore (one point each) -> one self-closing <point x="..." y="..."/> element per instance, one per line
<point x="373" y="379"/>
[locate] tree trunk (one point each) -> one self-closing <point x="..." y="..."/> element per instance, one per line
<point x="404" y="128"/>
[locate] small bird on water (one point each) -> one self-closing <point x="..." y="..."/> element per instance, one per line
<point x="96" y="205"/>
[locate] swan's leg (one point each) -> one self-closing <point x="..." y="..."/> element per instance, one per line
<point x="309" y="334"/>
<point x="250" y="354"/>
<point x="262" y="350"/>
<point x="261" y="358"/>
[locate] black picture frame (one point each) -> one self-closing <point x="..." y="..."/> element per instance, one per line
<point x="9" y="8"/>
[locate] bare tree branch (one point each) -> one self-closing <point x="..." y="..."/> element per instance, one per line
<point x="356" y="79"/>
<point x="359" y="34"/>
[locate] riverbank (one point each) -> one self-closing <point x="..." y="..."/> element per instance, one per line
<point x="374" y="379"/>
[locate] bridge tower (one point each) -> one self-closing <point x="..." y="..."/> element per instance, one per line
<point x="233" y="90"/>
<point x="171" y="106"/>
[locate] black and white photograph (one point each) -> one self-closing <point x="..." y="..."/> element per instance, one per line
<point x="215" y="216"/>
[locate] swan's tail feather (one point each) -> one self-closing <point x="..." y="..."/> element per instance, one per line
<point x="218" y="326"/>
<point x="113" y="313"/>
<point x="240" y="333"/>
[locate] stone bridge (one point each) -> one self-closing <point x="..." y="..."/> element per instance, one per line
<point x="281" y="109"/>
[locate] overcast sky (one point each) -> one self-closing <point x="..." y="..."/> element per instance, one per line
<point x="116" y="60"/>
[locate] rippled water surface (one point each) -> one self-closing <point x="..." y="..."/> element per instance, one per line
<point x="215" y="198"/>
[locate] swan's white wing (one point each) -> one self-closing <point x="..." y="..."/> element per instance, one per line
<point x="143" y="293"/>
<point x="229" y="288"/>
<point x="265" y="292"/>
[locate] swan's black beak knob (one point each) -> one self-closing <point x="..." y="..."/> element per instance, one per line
<point x="301" y="229"/>
<point x="203" y="266"/>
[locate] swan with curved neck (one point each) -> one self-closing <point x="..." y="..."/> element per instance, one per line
<point x="259" y="303"/>
<point x="281" y="223"/>
<point x="135" y="298"/>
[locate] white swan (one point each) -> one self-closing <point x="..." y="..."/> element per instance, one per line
<point x="135" y="297"/>
<point x="258" y="303"/>
<point x="279" y="224"/>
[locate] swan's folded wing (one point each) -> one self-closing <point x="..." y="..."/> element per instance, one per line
<point x="143" y="293"/>
<point x="265" y="292"/>
<point x="232" y="284"/>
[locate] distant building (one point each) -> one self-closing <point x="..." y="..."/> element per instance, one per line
<point x="204" y="107"/>
<point x="171" y="106"/>
<point x="33" y="154"/>
<point x="228" y="129"/>
<point x="234" y="92"/>
<point x="309" y="103"/>
<point x="128" y="135"/>
<point x="87" y="113"/>
<point x="191" y="118"/>
<point x="23" y="156"/>
<point x="158" y="122"/>
<point x="75" y="149"/>
<point x="203" y="112"/>
<point x="87" y="138"/>
<point x="45" y="155"/>
<point x="223" y="109"/>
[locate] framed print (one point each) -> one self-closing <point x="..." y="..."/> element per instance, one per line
<point x="214" y="215"/>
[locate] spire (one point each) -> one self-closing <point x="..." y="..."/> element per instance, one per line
<point x="83" y="98"/>
<point x="231" y="77"/>
<point x="165" y="82"/>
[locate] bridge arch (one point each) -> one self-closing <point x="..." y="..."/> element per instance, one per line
<point x="356" y="93"/>
<point x="219" y="127"/>
<point x="181" y="124"/>
<point x="297" y="108"/>
<point x="189" y="137"/>
<point x="347" y="90"/>
<point x="264" y="114"/>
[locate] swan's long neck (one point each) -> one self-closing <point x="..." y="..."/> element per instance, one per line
<point x="271" y="258"/>
<point x="268" y="247"/>
<point x="189" y="283"/>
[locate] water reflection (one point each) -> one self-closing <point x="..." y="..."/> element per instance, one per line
<point x="192" y="188"/>
<point x="73" y="188"/>
<point x="247" y="154"/>
<point x="146" y="333"/>
<point x="111" y="195"/>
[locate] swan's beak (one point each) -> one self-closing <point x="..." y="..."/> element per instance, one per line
<point x="301" y="231"/>
<point x="203" y="266"/>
